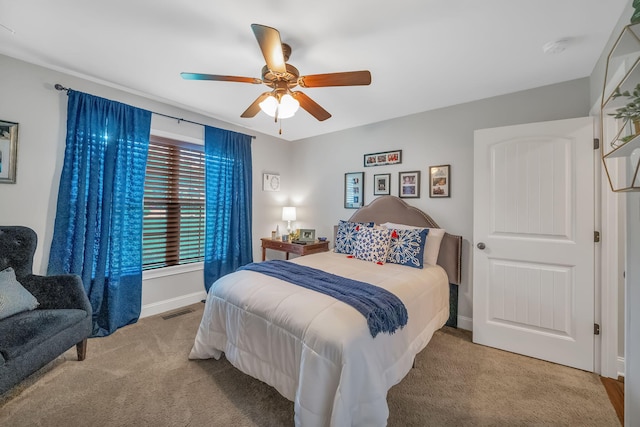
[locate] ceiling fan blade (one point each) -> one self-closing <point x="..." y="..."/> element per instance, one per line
<point x="197" y="76"/>
<point x="254" y="108"/>
<point x="349" y="78"/>
<point x="271" y="46"/>
<point x="311" y="106"/>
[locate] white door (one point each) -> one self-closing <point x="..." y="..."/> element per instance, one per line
<point x="533" y="249"/>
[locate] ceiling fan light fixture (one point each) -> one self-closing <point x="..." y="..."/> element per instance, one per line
<point x="285" y="109"/>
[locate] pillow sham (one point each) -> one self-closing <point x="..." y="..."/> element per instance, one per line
<point x="434" y="239"/>
<point x="346" y="236"/>
<point x="14" y="298"/>
<point x="406" y="247"/>
<point x="372" y="244"/>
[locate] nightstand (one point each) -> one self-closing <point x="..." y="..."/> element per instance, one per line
<point x="294" y="248"/>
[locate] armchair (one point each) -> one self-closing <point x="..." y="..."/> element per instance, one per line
<point x="63" y="318"/>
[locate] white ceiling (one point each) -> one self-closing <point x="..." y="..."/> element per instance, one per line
<point x="422" y="54"/>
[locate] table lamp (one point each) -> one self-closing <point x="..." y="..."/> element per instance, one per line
<point x="289" y="214"/>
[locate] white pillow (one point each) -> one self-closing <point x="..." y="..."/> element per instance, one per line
<point x="372" y="244"/>
<point x="434" y="239"/>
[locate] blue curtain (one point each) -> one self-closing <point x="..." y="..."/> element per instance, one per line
<point x="98" y="226"/>
<point x="228" y="203"/>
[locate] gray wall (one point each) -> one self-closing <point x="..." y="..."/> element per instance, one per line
<point x="443" y="136"/>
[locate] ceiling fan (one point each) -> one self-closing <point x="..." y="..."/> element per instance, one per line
<point x="281" y="102"/>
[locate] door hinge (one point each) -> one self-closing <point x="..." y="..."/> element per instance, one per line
<point x="596" y="236"/>
<point x="596" y="329"/>
<point x="596" y="143"/>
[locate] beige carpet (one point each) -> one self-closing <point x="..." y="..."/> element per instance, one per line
<point x="140" y="376"/>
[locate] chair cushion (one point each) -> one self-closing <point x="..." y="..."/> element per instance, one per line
<point x="14" y="298"/>
<point x="24" y="331"/>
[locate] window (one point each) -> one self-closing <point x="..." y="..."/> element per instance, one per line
<point x="174" y="204"/>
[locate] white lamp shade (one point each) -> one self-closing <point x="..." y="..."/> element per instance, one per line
<point x="269" y="106"/>
<point x="289" y="213"/>
<point x="286" y="108"/>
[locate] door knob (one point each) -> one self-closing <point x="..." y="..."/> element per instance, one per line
<point x="481" y="246"/>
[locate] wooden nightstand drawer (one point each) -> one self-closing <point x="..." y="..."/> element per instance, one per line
<point x="288" y="247"/>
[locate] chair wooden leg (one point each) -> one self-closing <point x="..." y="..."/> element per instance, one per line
<point x="81" y="348"/>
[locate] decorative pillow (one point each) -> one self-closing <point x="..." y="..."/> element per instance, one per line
<point x="372" y="244"/>
<point x="346" y="236"/>
<point x="14" y="298"/>
<point x="432" y="247"/>
<point x="406" y="247"/>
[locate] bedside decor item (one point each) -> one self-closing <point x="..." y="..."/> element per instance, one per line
<point x="289" y="214"/>
<point x="440" y="181"/>
<point x="385" y="158"/>
<point x="270" y="182"/>
<point x="382" y="184"/>
<point x="306" y="235"/>
<point x="353" y="190"/>
<point x="8" y="151"/>
<point x="409" y="184"/>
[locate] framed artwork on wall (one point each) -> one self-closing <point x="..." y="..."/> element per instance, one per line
<point x="386" y="158"/>
<point x="409" y="184"/>
<point x="270" y="182"/>
<point x="382" y="184"/>
<point x="353" y="190"/>
<point x="440" y="181"/>
<point x="8" y="151"/>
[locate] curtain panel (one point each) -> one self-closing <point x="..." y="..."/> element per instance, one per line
<point x="98" y="226"/>
<point x="228" y="181"/>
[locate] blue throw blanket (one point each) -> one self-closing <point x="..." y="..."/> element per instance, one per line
<point x="383" y="310"/>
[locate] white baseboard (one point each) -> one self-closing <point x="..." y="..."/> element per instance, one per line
<point x="465" y="323"/>
<point x="172" y="304"/>
<point x="620" y="365"/>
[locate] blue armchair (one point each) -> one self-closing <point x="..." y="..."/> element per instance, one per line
<point x="30" y="339"/>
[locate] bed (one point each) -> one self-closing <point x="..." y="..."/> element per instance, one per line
<point x="318" y="351"/>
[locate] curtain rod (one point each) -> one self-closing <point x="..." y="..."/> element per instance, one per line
<point x="58" y="86"/>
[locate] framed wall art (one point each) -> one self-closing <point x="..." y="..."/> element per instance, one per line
<point x="386" y="158"/>
<point x="382" y="184"/>
<point x="409" y="184"/>
<point x="8" y="151"/>
<point x="353" y="190"/>
<point x="440" y="181"/>
<point x="270" y="182"/>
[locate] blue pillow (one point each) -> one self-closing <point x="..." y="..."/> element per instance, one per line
<point x="407" y="247"/>
<point x="346" y="236"/>
<point x="14" y="298"/>
<point x="372" y="244"/>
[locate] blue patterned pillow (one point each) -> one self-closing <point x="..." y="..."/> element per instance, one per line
<point x="13" y="297"/>
<point x="372" y="244"/>
<point x="406" y="247"/>
<point x="346" y="236"/>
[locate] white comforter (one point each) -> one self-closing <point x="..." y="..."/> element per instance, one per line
<point x="318" y="351"/>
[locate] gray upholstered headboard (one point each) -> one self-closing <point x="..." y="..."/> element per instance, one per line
<point x="393" y="209"/>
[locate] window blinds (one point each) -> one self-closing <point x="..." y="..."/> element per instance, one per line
<point x="174" y="204"/>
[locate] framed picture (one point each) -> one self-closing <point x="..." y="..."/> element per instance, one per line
<point x="8" y="151"/>
<point x="386" y="158"/>
<point x="440" y="181"/>
<point x="409" y="184"/>
<point x="353" y="190"/>
<point x="382" y="184"/>
<point x="306" y="235"/>
<point x="270" y="182"/>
